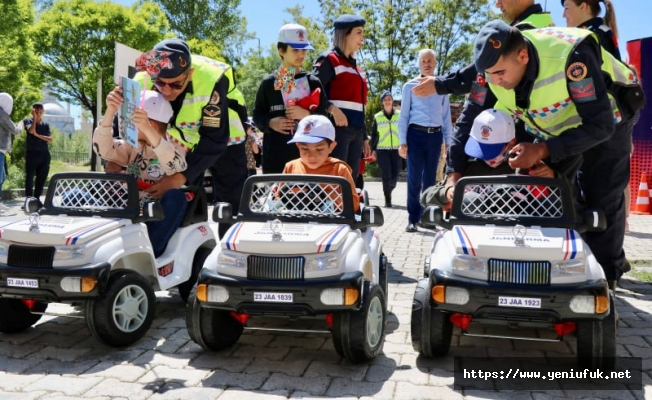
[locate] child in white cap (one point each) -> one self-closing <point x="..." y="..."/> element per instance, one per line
<point x="315" y="139"/>
<point x="491" y="139"/>
<point x="154" y="157"/>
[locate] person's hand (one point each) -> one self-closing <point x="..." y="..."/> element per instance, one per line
<point x="141" y="121"/>
<point x="451" y="181"/>
<point x="338" y="116"/>
<point x="281" y="125"/>
<point x="296" y="112"/>
<point x="366" y="149"/>
<point x="166" y="183"/>
<point x="113" y="168"/>
<point x="402" y="150"/>
<point x="528" y="154"/>
<point x="114" y="99"/>
<point x="541" y="170"/>
<point x="426" y="87"/>
<point x="374" y="156"/>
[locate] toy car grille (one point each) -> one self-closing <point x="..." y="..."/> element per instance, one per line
<point x="519" y="272"/>
<point x="297" y="198"/>
<point x="275" y="268"/>
<point x="505" y="200"/>
<point x="94" y="193"/>
<point x="30" y="257"/>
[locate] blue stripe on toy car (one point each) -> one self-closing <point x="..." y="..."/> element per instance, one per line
<point x="333" y="234"/>
<point x="463" y="239"/>
<point x="230" y="241"/>
<point x="72" y="238"/>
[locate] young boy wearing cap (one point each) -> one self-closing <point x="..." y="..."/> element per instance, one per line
<point x="276" y="108"/>
<point x="315" y="139"/>
<point x="154" y="158"/>
<point x="492" y="138"/>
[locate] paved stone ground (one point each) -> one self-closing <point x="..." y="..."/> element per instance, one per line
<point x="59" y="359"/>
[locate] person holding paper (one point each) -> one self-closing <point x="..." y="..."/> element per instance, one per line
<point x="285" y="96"/>
<point x="153" y="158"/>
<point x="208" y="114"/>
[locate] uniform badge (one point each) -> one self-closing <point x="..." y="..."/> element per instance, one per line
<point x="480" y="80"/>
<point x="215" y="98"/>
<point x="582" y="91"/>
<point x="211" y="116"/>
<point x="576" y="71"/>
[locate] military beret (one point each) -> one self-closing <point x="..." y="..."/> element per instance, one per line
<point x="489" y="44"/>
<point x="348" y="21"/>
<point x="169" y="59"/>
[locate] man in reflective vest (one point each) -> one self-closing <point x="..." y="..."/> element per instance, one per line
<point x="384" y="145"/>
<point x="573" y="97"/>
<point x="524" y="14"/>
<point x="207" y="120"/>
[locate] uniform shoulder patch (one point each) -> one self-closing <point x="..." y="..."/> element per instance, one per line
<point x="576" y="71"/>
<point x="582" y="91"/>
<point x="212" y="116"/>
<point x="215" y="98"/>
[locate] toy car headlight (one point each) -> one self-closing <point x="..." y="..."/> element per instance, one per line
<point x="462" y="262"/>
<point x="4" y="249"/>
<point x="568" y="268"/>
<point x="320" y="263"/>
<point x="69" y="253"/>
<point x="229" y="259"/>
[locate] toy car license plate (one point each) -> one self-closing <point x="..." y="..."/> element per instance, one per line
<point x="274" y="297"/>
<point x="524" y="302"/>
<point x="19" y="282"/>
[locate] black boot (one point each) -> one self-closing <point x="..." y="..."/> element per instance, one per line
<point x="388" y="199"/>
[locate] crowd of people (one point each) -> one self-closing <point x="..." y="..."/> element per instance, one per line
<point x="195" y="118"/>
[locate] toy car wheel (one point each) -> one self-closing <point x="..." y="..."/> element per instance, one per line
<point x="589" y="344"/>
<point x="16" y="315"/>
<point x="209" y="328"/>
<point x="125" y="313"/>
<point x="431" y="330"/>
<point x="359" y="336"/>
<point x="197" y="264"/>
<point x="609" y="333"/>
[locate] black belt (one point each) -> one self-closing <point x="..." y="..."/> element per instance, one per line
<point x="427" y="129"/>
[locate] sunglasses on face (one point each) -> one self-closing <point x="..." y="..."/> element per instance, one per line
<point x="172" y="85"/>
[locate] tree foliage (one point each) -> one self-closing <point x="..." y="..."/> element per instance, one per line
<point x="17" y="74"/>
<point x="76" y="42"/>
<point x="396" y="30"/>
<point x="215" y="20"/>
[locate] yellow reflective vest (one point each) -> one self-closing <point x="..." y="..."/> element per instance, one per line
<point x="189" y="119"/>
<point x="387" y="131"/>
<point x="538" y="20"/>
<point x="551" y="109"/>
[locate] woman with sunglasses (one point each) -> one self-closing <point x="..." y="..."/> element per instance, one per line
<point x="207" y="120"/>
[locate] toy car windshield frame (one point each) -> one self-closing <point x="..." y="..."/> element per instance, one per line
<point x="324" y="199"/>
<point x="514" y="199"/>
<point x="92" y="193"/>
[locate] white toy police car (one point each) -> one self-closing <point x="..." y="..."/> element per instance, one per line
<point x="512" y="255"/>
<point x="297" y="249"/>
<point x="87" y="246"/>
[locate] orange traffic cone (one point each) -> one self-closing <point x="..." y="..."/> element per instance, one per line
<point x="643" y="199"/>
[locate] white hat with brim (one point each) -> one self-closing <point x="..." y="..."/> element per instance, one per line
<point x="491" y="131"/>
<point x="314" y="129"/>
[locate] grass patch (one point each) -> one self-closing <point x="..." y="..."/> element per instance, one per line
<point x="641" y="275"/>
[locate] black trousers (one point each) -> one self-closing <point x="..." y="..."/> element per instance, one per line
<point x="349" y="147"/>
<point x="37" y="165"/>
<point x="229" y="174"/>
<point x="602" y="179"/>
<point x="390" y="165"/>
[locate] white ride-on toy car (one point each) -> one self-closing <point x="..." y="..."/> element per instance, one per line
<point x="511" y="255"/>
<point x="297" y="249"/>
<point x="88" y="246"/>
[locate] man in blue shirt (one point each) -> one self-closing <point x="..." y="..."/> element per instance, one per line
<point x="422" y="124"/>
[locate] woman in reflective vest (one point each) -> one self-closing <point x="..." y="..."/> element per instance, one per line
<point x="384" y="145"/>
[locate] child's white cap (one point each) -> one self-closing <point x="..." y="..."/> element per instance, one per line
<point x="295" y="36"/>
<point x="314" y="129"/>
<point x="156" y="106"/>
<point x="491" y="131"/>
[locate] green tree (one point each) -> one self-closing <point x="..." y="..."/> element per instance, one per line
<point x="18" y="76"/>
<point x="216" y="20"/>
<point x="76" y="42"/>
